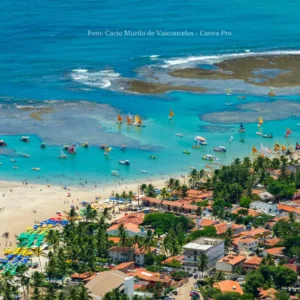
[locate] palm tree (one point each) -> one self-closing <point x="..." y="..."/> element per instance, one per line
<point x="36" y="294"/>
<point x="148" y="241"/>
<point x="50" y="294"/>
<point x="53" y="238"/>
<point x="193" y="177"/>
<point x="84" y="293"/>
<point x="40" y="253"/>
<point x="143" y="187"/>
<point x="123" y="235"/>
<point x="72" y="214"/>
<point x="150" y="192"/>
<point x="247" y="162"/>
<point x="219" y="276"/>
<point x="164" y="193"/>
<point x="202" y="261"/>
<point x="268" y="260"/>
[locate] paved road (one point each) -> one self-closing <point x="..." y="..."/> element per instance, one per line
<point x="184" y="291"/>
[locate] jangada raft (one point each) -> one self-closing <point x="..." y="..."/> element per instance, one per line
<point x="200" y="140"/>
<point x="72" y="149"/>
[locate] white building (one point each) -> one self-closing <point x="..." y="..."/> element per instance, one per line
<point x="264" y="207"/>
<point x="211" y="247"/>
<point x="230" y="263"/>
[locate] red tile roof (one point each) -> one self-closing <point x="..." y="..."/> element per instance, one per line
<point x="172" y="258"/>
<point x="266" y="294"/>
<point x="232" y="259"/>
<point x="253" y="261"/>
<point x="228" y="286"/>
<point x="272" y="242"/>
<point x="275" y="251"/>
<point x="128" y="226"/>
<point x="221" y="228"/>
<point x="143" y="274"/>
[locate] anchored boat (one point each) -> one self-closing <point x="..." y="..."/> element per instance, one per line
<point x="120" y="120"/>
<point x="62" y="155"/>
<point x="2" y="143"/>
<point x="25" y="139"/>
<point x="208" y="157"/>
<point x="124" y="162"/>
<point x="268" y="136"/>
<point x="220" y="149"/>
<point x="260" y="122"/>
<point x="171" y="114"/>
<point x="228" y="91"/>
<point x="200" y="140"/>
<point x="287" y="133"/>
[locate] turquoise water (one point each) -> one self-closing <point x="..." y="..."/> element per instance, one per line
<point x="43" y="44"/>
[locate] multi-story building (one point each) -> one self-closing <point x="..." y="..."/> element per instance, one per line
<point x="230" y="263"/>
<point x="211" y="247"/>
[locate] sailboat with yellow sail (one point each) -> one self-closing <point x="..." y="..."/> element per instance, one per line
<point x="171" y="114"/>
<point x="260" y="122"/>
<point x="120" y="120"/>
<point x="138" y="122"/>
<point x="283" y="148"/>
<point x="272" y="92"/>
<point x="276" y="147"/>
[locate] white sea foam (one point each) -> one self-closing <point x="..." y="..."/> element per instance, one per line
<point x="99" y="79"/>
<point x="210" y="59"/>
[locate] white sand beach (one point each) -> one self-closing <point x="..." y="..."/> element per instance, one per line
<point x="18" y="203"/>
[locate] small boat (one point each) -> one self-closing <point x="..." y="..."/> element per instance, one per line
<point x="152" y="157"/>
<point x="129" y="119"/>
<point x="220" y="149"/>
<point x="103" y="147"/>
<point x="228" y="91"/>
<point x="72" y="149"/>
<point x="179" y="134"/>
<point x="208" y="157"/>
<point x="283" y="148"/>
<point x="15" y="167"/>
<point x="196" y="146"/>
<point x="171" y="114"/>
<point x="242" y="128"/>
<point x="2" y="143"/>
<point x="186" y="152"/>
<point x="13" y="160"/>
<point x="115" y="173"/>
<point x="268" y="136"/>
<point x="62" y="155"/>
<point x="138" y="122"/>
<point x="124" y="162"/>
<point x="120" y="120"/>
<point x="287" y="133"/>
<point x="258" y="133"/>
<point x="65" y="147"/>
<point x="144" y="171"/>
<point x="277" y="147"/>
<point x="260" y="122"/>
<point x="36" y="169"/>
<point x="272" y="92"/>
<point x="43" y="145"/>
<point x="25" y="155"/>
<point x="242" y="140"/>
<point x="228" y="103"/>
<point x="123" y="148"/>
<point x="85" y="145"/>
<point x="200" y="140"/>
<point x="25" y="139"/>
<point x="230" y="140"/>
<point x="241" y="97"/>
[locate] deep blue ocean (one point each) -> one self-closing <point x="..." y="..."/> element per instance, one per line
<point x="44" y="44"/>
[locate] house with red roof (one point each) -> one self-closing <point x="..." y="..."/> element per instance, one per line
<point x="226" y="286"/>
<point x="229" y="263"/>
<point x="131" y="229"/>
<point x="276" y="252"/>
<point x="252" y="263"/>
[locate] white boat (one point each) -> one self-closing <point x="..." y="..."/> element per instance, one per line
<point x="228" y="103"/>
<point x="144" y="171"/>
<point x="36" y="169"/>
<point x="220" y="149"/>
<point x="208" y="157"/>
<point x="115" y="173"/>
<point x="179" y="134"/>
<point x="25" y="139"/>
<point x="298" y="124"/>
<point x="25" y="155"/>
<point x="230" y="139"/>
<point x="15" y="167"/>
<point x="13" y="160"/>
<point x="124" y="162"/>
<point x="200" y="140"/>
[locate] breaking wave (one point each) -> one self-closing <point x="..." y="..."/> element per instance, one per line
<point x="210" y="59"/>
<point x="99" y="79"/>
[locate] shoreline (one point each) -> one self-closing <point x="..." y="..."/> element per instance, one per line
<point x="18" y="203"/>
